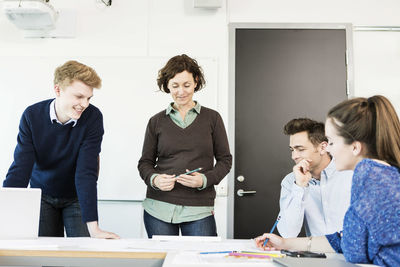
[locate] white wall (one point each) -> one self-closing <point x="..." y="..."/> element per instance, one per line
<point x="164" y="28"/>
<point x="358" y="12"/>
<point x="377" y="61"/>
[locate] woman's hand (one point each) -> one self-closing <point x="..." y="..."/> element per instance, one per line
<point x="274" y="242"/>
<point x="194" y="180"/>
<point x="164" y="182"/>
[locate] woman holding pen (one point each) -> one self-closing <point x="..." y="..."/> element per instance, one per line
<point x="364" y="136"/>
<point x="177" y="162"/>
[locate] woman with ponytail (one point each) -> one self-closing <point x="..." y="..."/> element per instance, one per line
<point x="364" y="136"/>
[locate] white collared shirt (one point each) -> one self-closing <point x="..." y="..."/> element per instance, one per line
<point x="53" y="115"/>
<point x="321" y="205"/>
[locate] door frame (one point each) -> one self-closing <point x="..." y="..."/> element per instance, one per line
<point x="231" y="88"/>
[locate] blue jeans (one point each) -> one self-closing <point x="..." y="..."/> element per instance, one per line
<point x="202" y="227"/>
<point x="57" y="213"/>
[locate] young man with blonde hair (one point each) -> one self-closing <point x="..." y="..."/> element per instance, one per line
<point x="58" y="148"/>
<point x="315" y="192"/>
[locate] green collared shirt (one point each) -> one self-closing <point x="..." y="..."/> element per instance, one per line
<point x="172" y="213"/>
<point x="189" y="118"/>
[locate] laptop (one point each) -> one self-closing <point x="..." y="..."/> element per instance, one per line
<point x="19" y="213"/>
<point x="312" y="262"/>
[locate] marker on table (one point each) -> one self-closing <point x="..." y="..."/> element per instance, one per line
<point x="272" y="230"/>
<point x="217" y="252"/>
<point x="189" y="172"/>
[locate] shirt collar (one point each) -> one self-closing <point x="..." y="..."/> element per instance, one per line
<point x="53" y="115"/>
<point x="328" y="172"/>
<point x="171" y="108"/>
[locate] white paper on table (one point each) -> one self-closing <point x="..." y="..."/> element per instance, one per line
<point x="189" y="258"/>
<point x="27" y="244"/>
<point x="200" y="246"/>
<point x="187" y="238"/>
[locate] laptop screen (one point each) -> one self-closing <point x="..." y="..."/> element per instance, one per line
<point x="20" y="212"/>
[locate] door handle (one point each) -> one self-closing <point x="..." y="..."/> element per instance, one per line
<point x="241" y="192"/>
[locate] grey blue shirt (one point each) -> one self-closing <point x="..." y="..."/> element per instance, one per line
<point x="321" y="205"/>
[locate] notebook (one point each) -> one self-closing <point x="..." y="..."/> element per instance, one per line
<point x="312" y="262"/>
<point x="19" y="213"/>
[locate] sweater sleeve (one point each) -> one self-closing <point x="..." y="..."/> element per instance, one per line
<point x="355" y="238"/>
<point x="86" y="173"/>
<point x="335" y="240"/>
<point x="147" y="161"/>
<point x="221" y="153"/>
<point x="20" y="170"/>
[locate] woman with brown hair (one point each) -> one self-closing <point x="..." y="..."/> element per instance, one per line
<point x="364" y="135"/>
<point x="185" y="136"/>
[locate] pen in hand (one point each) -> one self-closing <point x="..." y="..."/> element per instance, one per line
<point x="272" y="230"/>
<point x="189" y="172"/>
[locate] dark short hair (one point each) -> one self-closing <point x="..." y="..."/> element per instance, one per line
<point x="314" y="129"/>
<point x="176" y="65"/>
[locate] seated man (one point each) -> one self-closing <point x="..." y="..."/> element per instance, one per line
<point x="315" y="192"/>
<point x="58" y="150"/>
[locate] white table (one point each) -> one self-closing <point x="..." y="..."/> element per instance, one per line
<point x="79" y="252"/>
<point x="123" y="252"/>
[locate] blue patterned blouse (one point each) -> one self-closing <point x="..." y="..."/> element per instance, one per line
<point x="371" y="228"/>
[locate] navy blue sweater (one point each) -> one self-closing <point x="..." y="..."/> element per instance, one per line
<point x="60" y="159"/>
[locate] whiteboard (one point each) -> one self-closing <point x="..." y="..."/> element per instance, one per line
<point x="128" y="98"/>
